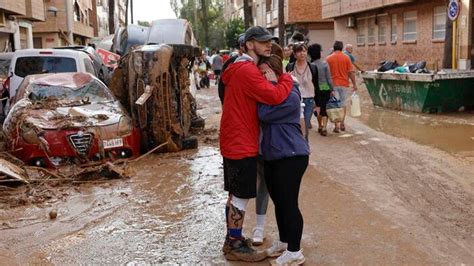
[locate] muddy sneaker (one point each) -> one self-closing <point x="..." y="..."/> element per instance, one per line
<point x="241" y="250"/>
<point x="289" y="258"/>
<point x="257" y="236"/>
<point x="276" y="249"/>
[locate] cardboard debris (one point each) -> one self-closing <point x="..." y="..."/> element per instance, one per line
<point x="12" y="172"/>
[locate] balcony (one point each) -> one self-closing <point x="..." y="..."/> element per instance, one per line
<point x="337" y="8"/>
<point x="17" y="7"/>
<point x="35" y="10"/>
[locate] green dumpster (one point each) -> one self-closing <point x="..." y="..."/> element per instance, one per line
<point x="445" y="91"/>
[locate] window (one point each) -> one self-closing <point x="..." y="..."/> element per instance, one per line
<point x="371" y="31"/>
<point x="361" y="31"/>
<point x="393" y="38"/>
<point x="39" y="65"/>
<point x="439" y="23"/>
<point x="77" y="12"/>
<point x="382" y="22"/>
<point x="89" y="67"/>
<point x="409" y="26"/>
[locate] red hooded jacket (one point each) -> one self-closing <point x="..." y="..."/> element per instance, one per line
<point x="245" y="87"/>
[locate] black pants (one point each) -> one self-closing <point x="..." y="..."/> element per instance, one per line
<point x="283" y="178"/>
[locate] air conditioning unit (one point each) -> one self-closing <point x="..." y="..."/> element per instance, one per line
<point x="351" y="22"/>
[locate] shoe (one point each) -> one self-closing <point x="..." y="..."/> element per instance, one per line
<point x="310" y="126"/>
<point x="257" y="236"/>
<point x="241" y="250"/>
<point x="324" y="132"/>
<point x="343" y="127"/>
<point x="336" y="130"/>
<point x="276" y="249"/>
<point x="227" y="247"/>
<point x="289" y="258"/>
<point x="320" y="129"/>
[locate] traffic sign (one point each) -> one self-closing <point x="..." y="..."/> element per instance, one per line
<point x="453" y="9"/>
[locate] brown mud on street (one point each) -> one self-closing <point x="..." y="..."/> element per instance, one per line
<point x="367" y="198"/>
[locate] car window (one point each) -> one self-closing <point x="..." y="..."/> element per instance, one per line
<point x="89" y="67"/>
<point x="91" y="92"/>
<point x="4" y="65"/>
<point x="43" y="64"/>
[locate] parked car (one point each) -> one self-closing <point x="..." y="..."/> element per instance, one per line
<point x="126" y="38"/>
<point x="101" y="70"/>
<point x="38" y="61"/>
<point x="66" y="118"/>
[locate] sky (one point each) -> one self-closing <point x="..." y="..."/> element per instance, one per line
<point x="150" y="10"/>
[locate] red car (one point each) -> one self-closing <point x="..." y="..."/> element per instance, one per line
<point x="66" y="118"/>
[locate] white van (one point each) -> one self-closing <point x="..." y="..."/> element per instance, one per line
<point x="39" y="61"/>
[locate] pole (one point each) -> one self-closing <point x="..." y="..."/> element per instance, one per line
<point x="453" y="62"/>
<point x="69" y="21"/>
<point x="131" y="11"/>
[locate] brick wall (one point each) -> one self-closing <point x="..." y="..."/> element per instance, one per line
<point x="14" y="6"/>
<point x="335" y="8"/>
<point x="304" y="11"/>
<point x="425" y="48"/>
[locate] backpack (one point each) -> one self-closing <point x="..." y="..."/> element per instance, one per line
<point x="314" y="72"/>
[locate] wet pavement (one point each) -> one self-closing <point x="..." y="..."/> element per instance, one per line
<point x="396" y="188"/>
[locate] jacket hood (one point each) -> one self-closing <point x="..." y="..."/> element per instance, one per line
<point x="234" y="67"/>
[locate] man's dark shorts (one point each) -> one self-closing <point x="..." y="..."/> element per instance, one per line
<point x="217" y="72"/>
<point x="240" y="177"/>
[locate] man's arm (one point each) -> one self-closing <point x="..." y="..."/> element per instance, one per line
<point x="263" y="91"/>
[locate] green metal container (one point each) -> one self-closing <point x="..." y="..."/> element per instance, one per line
<point x="445" y="91"/>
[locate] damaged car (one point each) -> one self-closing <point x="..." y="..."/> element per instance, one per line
<point x="68" y="118"/>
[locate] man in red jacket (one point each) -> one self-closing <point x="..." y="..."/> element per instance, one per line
<point x="239" y="134"/>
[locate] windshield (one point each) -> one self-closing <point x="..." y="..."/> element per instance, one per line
<point x="92" y="92"/>
<point x="44" y="64"/>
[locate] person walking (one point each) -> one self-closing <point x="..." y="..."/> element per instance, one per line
<point x="325" y="86"/>
<point x="348" y="51"/>
<point x="307" y="76"/>
<point x="341" y="71"/>
<point x="217" y="63"/>
<point x="286" y="153"/>
<point x="245" y="86"/>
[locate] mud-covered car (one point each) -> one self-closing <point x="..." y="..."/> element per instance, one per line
<point x="66" y="118"/>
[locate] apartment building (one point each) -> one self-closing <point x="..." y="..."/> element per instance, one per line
<point x="300" y="15"/>
<point x="402" y="30"/>
<point x="54" y="30"/>
<point x="306" y="16"/>
<point x="110" y="16"/>
<point x="16" y="18"/>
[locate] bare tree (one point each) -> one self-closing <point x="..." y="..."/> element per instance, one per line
<point x="205" y="20"/>
<point x="281" y="22"/>
<point x="247" y="13"/>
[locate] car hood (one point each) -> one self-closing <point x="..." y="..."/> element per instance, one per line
<point x="94" y="114"/>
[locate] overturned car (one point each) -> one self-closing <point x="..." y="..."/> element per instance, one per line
<point x="65" y="118"/>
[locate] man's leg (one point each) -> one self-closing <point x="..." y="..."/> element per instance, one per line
<point x="261" y="204"/>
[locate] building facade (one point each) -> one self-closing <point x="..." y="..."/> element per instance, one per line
<point x="54" y="31"/>
<point x="110" y="16"/>
<point x="16" y="20"/>
<point x="305" y="16"/>
<point x="402" y="30"/>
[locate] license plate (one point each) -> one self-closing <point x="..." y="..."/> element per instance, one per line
<point x="112" y="143"/>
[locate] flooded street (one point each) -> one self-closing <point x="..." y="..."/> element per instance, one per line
<point x="395" y="188"/>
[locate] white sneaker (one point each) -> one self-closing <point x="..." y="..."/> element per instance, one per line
<point x="257" y="236"/>
<point x="276" y="249"/>
<point x="289" y="258"/>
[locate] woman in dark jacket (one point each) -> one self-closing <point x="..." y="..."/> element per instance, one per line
<point x="286" y="154"/>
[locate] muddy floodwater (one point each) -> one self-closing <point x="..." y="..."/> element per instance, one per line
<point x="395" y="188"/>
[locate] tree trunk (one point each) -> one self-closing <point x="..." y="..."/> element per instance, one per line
<point x="281" y="22"/>
<point x="111" y="16"/>
<point x="448" y="44"/>
<point x="247" y="14"/>
<point x="205" y="21"/>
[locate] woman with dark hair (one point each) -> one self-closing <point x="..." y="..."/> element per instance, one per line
<point x="325" y="86"/>
<point x="307" y="76"/>
<point x="285" y="152"/>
